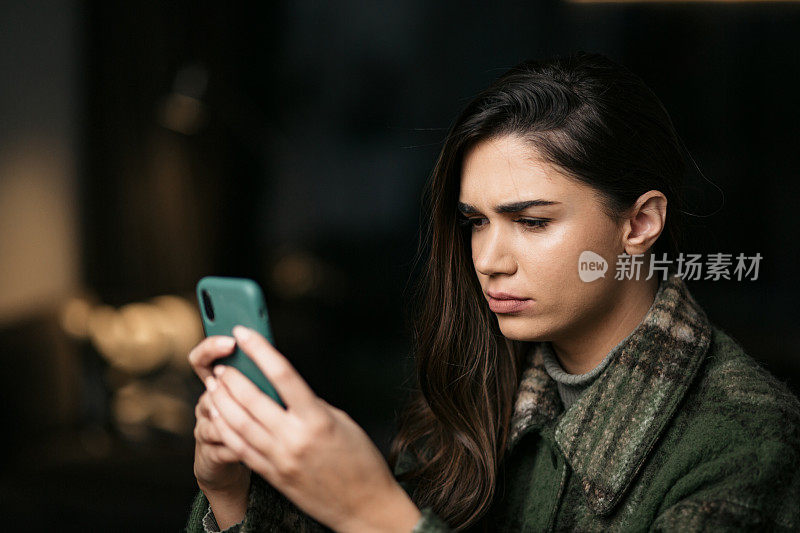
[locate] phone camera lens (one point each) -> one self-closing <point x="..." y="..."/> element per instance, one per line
<point x="207" y="305"/>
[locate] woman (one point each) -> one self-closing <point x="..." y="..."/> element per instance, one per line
<point x="551" y="395"/>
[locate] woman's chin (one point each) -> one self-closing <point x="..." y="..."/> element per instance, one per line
<point x="517" y="328"/>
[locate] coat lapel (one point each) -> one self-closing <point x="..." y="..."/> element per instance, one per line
<point x="607" y="433"/>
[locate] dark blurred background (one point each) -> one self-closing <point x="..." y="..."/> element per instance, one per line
<point x="144" y="145"/>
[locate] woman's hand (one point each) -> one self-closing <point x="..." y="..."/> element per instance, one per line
<point x="312" y="452"/>
<point x="220" y="475"/>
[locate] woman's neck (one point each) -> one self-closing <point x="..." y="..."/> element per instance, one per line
<point x="579" y="353"/>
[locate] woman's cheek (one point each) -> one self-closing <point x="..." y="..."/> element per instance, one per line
<point x="558" y="256"/>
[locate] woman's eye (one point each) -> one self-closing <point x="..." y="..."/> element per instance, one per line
<point x="473" y="222"/>
<point x="477" y="222"/>
<point x="534" y="222"/>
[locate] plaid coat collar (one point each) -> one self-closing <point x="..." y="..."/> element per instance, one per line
<point x="607" y="433"/>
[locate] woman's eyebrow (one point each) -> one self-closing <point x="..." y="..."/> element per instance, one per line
<point x="514" y="207"/>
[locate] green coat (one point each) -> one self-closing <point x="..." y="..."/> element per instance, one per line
<point x="682" y="431"/>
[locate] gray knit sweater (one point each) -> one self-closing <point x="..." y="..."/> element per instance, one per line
<point x="570" y="386"/>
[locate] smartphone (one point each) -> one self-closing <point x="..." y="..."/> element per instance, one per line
<point x="225" y="302"/>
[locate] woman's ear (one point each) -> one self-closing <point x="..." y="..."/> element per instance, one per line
<point x="645" y="222"/>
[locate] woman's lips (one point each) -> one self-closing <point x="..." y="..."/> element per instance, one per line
<point x="508" y="305"/>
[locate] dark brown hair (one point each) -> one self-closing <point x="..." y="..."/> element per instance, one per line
<point x="597" y="122"/>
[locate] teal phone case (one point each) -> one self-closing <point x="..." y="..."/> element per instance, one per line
<point x="236" y="301"/>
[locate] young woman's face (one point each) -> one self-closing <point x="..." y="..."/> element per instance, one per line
<point x="531" y="251"/>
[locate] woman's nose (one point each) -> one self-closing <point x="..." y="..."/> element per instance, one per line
<point x="492" y="255"/>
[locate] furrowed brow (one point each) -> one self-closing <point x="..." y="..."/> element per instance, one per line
<point x="514" y="207"/>
<point x="466" y="209"/>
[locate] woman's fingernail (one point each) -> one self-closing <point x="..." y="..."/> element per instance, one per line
<point x="241" y="332"/>
<point x="226" y="343"/>
<point x="211" y="383"/>
<point x="218" y="370"/>
<point x="214" y="412"/>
